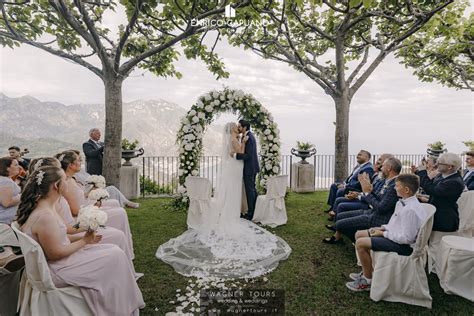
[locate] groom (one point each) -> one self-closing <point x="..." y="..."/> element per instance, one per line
<point x="251" y="167"/>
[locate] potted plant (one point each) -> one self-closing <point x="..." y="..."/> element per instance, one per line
<point x="303" y="150"/>
<point x="469" y="144"/>
<point x="129" y="151"/>
<point x="435" y="149"/>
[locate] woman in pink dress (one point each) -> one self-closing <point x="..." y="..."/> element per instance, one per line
<point x="101" y="271"/>
<point x="117" y="216"/>
<point x="110" y="235"/>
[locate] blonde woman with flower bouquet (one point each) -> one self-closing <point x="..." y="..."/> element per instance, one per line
<point x="110" y="235"/>
<point x="83" y="262"/>
<point x="75" y="197"/>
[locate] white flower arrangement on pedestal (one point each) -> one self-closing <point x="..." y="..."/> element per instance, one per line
<point x="91" y="218"/>
<point x="96" y="181"/>
<point x="204" y="111"/>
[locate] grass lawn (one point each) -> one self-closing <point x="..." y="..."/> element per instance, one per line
<point x="313" y="277"/>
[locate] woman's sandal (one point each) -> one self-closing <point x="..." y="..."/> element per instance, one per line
<point x="333" y="241"/>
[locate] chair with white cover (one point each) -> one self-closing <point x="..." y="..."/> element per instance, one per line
<point x="39" y="295"/>
<point x="199" y="192"/>
<point x="402" y="278"/>
<point x="270" y="208"/>
<point x="466" y="214"/>
<point x="456" y="275"/>
<point x="466" y="229"/>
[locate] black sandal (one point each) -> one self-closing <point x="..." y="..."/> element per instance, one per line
<point x="333" y="241"/>
<point x="330" y="227"/>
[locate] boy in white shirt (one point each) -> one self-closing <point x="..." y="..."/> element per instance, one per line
<point x="398" y="235"/>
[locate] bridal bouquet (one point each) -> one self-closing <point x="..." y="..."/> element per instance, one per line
<point x="96" y="181"/>
<point x="91" y="218"/>
<point x="98" y="195"/>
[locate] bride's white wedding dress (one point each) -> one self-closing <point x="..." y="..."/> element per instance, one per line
<point x="225" y="246"/>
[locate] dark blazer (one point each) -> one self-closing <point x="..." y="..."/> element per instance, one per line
<point x="444" y="193"/>
<point x="383" y="204"/>
<point x="94" y="155"/>
<point x="250" y="156"/>
<point x="352" y="183"/>
<point x="469" y="181"/>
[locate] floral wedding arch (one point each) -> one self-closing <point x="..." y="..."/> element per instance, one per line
<point x="205" y="110"/>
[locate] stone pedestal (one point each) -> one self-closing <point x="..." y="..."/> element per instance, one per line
<point x="130" y="182"/>
<point x="302" y="179"/>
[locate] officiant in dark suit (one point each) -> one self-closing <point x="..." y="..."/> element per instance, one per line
<point x="94" y="151"/>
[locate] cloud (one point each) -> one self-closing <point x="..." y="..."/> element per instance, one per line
<point x="391" y="111"/>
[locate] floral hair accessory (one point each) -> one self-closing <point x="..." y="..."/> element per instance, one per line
<point x="38" y="164"/>
<point x="39" y="177"/>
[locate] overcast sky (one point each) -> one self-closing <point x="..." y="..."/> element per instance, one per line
<point x="392" y="112"/>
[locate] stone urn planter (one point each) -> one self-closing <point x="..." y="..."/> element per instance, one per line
<point x="303" y="154"/>
<point x="129" y="154"/>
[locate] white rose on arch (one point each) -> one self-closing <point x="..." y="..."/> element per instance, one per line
<point x="236" y="101"/>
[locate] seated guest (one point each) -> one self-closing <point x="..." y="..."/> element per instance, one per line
<point x="101" y="271"/>
<point x="468" y="173"/>
<point x="114" y="193"/>
<point x="352" y="200"/>
<point x="444" y="186"/>
<point x="75" y="197"/>
<point x="352" y="183"/>
<point x="110" y="235"/>
<point x="381" y="205"/>
<point x="94" y="151"/>
<point x="399" y="235"/>
<point x="9" y="190"/>
<point x="15" y="153"/>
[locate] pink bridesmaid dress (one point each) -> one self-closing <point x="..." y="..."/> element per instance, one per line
<point x="103" y="274"/>
<point x="116" y="216"/>
<point x="110" y="235"/>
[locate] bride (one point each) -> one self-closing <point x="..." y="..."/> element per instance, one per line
<point x="225" y="245"/>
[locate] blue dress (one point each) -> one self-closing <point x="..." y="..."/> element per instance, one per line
<point x="7" y="214"/>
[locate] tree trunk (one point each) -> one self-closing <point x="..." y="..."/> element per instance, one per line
<point x="113" y="131"/>
<point x="341" y="137"/>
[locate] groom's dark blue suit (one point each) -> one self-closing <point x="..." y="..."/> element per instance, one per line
<point x="251" y="168"/>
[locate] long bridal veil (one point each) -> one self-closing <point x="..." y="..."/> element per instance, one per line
<point x="225" y="246"/>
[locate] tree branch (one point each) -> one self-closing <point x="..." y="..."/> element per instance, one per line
<point x="126" y="33"/>
<point x="75" y="58"/>
<point x="359" y="66"/>
<point x="93" y="31"/>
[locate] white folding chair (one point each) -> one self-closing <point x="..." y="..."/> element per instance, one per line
<point x="466" y="229"/>
<point x="39" y="295"/>
<point x="270" y="209"/>
<point x="456" y="273"/>
<point x="402" y="278"/>
<point x="199" y="192"/>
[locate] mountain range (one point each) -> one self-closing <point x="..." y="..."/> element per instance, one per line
<point x="46" y="128"/>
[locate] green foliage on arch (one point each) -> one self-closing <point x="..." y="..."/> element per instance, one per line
<point x="207" y="108"/>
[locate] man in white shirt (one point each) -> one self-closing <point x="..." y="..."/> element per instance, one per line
<point x="398" y="235"/>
